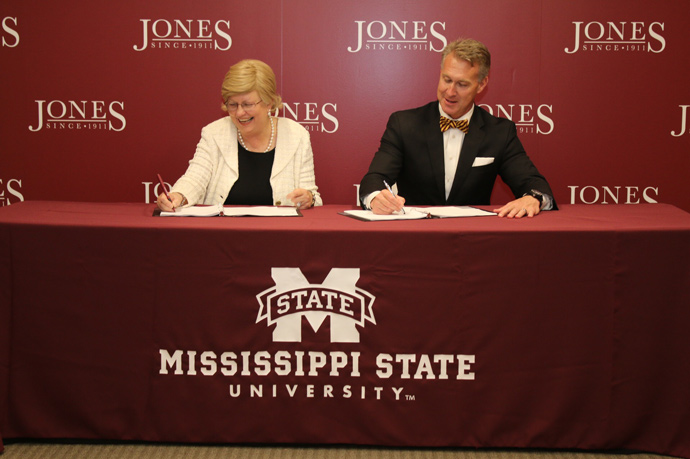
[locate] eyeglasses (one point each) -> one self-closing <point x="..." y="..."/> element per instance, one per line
<point x="232" y="106"/>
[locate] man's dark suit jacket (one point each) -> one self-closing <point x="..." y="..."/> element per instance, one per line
<point x="411" y="155"/>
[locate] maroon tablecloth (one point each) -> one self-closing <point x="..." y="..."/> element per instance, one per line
<point x="569" y="330"/>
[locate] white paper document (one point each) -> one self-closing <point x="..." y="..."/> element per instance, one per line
<point x="261" y="211"/>
<point x="220" y="210"/>
<point x="418" y="213"/>
<point x="454" y="211"/>
<point x="195" y="211"/>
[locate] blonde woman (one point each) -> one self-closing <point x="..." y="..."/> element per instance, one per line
<point x="249" y="157"/>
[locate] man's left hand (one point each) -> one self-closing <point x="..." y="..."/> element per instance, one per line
<point x="526" y="206"/>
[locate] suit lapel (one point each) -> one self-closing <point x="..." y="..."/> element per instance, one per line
<point x="227" y="145"/>
<point x="468" y="153"/>
<point x="284" y="144"/>
<point x="434" y="139"/>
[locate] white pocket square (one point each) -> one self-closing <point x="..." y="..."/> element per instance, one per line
<point x="482" y="161"/>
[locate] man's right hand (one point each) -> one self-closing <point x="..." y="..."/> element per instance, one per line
<point x="385" y="203"/>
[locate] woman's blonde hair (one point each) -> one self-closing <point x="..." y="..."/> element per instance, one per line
<point x="251" y="75"/>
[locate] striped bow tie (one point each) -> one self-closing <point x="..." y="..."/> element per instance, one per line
<point x="447" y="123"/>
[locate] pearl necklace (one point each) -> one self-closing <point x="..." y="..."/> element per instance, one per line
<point x="270" y="142"/>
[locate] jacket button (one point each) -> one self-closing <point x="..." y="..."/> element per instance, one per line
<point x="278" y="203"/>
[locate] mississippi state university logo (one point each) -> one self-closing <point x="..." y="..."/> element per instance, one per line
<point x="293" y="297"/>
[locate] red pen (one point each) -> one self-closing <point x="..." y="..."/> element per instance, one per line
<point x="165" y="191"/>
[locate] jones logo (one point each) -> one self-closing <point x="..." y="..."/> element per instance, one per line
<point x="310" y="116"/>
<point x="10" y="36"/>
<point x="683" y="121"/>
<point x="523" y="116"/>
<point x="185" y="34"/>
<point x="152" y="190"/>
<point x="399" y="36"/>
<point x="293" y="297"/>
<point x="10" y="188"/>
<point x="80" y="115"/>
<point x="612" y="195"/>
<point x="620" y="37"/>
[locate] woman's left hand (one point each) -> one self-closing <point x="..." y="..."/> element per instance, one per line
<point x="302" y="198"/>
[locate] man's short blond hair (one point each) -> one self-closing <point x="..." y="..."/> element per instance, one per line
<point x="472" y="51"/>
<point x="252" y="75"/>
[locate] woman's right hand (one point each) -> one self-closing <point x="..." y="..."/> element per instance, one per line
<point x="165" y="205"/>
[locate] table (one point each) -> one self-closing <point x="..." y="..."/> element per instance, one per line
<point x="569" y="330"/>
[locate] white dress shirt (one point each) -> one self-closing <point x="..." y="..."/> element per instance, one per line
<point x="452" y="146"/>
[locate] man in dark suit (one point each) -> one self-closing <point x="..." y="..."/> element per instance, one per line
<point x="450" y="151"/>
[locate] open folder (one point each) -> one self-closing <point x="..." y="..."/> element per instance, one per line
<point x="219" y="210"/>
<point x="418" y="213"/>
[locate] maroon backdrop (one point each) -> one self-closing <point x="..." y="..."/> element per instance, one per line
<point x="98" y="97"/>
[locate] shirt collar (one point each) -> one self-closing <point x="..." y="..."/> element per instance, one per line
<point x="466" y="116"/>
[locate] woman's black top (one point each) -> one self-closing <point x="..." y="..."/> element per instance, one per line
<point x="253" y="186"/>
